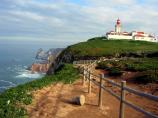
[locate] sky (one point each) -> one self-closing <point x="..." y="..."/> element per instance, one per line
<point x="68" y="21"/>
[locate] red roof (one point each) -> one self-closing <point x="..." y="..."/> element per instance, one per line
<point x="138" y="35"/>
<point x="140" y="32"/>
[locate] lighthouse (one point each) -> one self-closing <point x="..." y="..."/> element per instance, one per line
<point x="118" y="26"/>
<point x="134" y="35"/>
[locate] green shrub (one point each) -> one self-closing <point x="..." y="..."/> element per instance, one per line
<point x="136" y="64"/>
<point x="115" y="71"/>
<point x="148" y="66"/>
<point x="146" y="78"/>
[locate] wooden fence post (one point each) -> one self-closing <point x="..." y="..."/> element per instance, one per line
<point x="100" y="90"/>
<point x="87" y="74"/>
<point x="84" y="76"/>
<point x="121" y="112"/>
<point x="89" y="85"/>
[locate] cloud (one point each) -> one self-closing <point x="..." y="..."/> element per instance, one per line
<point x="73" y="21"/>
<point x="27" y="15"/>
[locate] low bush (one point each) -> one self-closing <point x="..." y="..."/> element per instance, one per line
<point x="136" y="64"/>
<point x="148" y="77"/>
<point x="115" y="71"/>
<point x="147" y="66"/>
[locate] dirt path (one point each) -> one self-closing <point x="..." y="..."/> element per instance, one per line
<point x="54" y="101"/>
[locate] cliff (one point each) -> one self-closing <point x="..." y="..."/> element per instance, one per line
<point x="45" y="59"/>
<point x="37" y="67"/>
<point x="101" y="47"/>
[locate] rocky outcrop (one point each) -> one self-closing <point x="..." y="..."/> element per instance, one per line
<point x="55" y="64"/>
<point x="41" y="54"/>
<point x="37" y="67"/>
<point x="46" y="61"/>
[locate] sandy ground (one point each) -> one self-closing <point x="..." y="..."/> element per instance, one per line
<point x="55" y="101"/>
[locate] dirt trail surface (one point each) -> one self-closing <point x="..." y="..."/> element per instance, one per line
<point x="55" y="101"/>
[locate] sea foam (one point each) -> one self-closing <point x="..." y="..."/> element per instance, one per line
<point x="29" y="74"/>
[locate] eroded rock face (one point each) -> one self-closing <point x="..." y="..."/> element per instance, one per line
<point x="37" y="67"/>
<point x="41" y="54"/>
<point x="46" y="60"/>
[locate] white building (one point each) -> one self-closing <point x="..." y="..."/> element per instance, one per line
<point x="117" y="34"/>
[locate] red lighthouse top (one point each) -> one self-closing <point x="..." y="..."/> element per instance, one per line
<point x="118" y="22"/>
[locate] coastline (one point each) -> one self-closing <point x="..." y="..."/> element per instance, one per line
<point x="21" y="94"/>
<point x="16" y="66"/>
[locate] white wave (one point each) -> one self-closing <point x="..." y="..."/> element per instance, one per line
<point x="5" y="87"/>
<point x="22" y="72"/>
<point x="25" y="67"/>
<point x="14" y="68"/>
<point x="28" y="74"/>
<point x="18" y="67"/>
<point x="11" y="83"/>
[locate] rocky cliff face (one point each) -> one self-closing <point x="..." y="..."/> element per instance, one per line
<point x="42" y="55"/>
<point x="45" y="60"/>
<point x="36" y="67"/>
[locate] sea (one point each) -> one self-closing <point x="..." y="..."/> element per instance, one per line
<point x="16" y="57"/>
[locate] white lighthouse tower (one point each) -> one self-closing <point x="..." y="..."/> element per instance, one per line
<point x="118" y="26"/>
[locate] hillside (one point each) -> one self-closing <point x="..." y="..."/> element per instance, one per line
<point x="99" y="46"/>
<point x="14" y="100"/>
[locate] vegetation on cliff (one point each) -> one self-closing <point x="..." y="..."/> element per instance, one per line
<point x="147" y="67"/>
<point x="140" y="56"/>
<point x="99" y="46"/>
<point x="131" y="64"/>
<point x="13" y="100"/>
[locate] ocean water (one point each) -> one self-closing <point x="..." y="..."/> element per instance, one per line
<point x="15" y="57"/>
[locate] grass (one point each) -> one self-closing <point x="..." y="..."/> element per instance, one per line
<point x="131" y="64"/>
<point x="99" y="47"/>
<point x="13" y="99"/>
<point x="148" y="67"/>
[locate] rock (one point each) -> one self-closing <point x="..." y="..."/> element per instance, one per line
<point x="41" y="54"/>
<point x="37" y="67"/>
